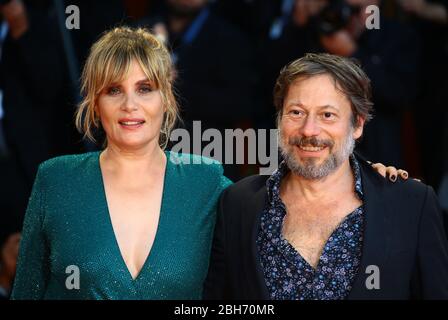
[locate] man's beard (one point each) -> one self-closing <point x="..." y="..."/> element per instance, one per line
<point x="308" y="167"/>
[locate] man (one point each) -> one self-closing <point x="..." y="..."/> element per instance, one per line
<point x="325" y="225"/>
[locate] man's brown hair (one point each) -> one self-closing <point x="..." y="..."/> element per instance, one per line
<point x="347" y="74"/>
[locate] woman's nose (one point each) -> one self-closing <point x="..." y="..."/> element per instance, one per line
<point x="129" y="103"/>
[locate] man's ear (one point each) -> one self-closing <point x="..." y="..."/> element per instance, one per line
<point x="359" y="127"/>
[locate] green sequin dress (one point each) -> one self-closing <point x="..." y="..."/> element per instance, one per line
<point x="67" y="229"/>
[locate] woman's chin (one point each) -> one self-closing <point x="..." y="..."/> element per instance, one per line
<point x="134" y="144"/>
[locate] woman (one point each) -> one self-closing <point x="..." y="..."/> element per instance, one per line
<point x="131" y="221"/>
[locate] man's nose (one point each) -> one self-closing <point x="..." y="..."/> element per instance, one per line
<point x="310" y="127"/>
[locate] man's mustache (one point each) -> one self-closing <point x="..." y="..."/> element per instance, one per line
<point x="310" y="142"/>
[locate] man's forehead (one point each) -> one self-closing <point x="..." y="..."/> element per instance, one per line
<point x="317" y="91"/>
<point x="322" y="78"/>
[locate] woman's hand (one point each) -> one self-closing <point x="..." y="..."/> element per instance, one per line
<point x="391" y="172"/>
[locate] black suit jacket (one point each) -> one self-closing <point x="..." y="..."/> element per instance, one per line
<point x="403" y="236"/>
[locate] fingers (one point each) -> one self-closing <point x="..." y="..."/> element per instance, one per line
<point x="380" y="168"/>
<point x="403" y="174"/>
<point x="392" y="173"/>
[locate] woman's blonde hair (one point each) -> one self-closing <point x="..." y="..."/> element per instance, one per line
<point x="109" y="61"/>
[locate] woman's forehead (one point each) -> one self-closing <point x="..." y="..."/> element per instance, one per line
<point x="133" y="73"/>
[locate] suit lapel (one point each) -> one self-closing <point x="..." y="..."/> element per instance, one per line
<point x="251" y="221"/>
<point x="375" y="249"/>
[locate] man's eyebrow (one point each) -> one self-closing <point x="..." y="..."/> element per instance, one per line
<point x="329" y="106"/>
<point x="295" y="103"/>
<point x="299" y="104"/>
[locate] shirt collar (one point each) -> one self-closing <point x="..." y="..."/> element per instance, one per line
<point x="274" y="181"/>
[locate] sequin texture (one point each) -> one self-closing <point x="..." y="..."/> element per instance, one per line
<point x="67" y="224"/>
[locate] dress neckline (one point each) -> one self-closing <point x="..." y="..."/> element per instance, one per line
<point x="160" y="225"/>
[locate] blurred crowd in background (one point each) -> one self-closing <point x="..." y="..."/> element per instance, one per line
<point x="227" y="54"/>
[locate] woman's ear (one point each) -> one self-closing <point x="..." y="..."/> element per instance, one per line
<point x="96" y="111"/>
<point x="96" y="115"/>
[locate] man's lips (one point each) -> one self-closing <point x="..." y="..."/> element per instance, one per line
<point x="311" y="148"/>
<point x="310" y="151"/>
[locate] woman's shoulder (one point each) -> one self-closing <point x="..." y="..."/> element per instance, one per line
<point x="196" y="177"/>
<point x="193" y="162"/>
<point x="196" y="166"/>
<point x="68" y="163"/>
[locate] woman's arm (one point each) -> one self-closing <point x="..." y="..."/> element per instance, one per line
<point x="33" y="263"/>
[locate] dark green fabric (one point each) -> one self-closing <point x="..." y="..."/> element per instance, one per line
<point x="67" y="223"/>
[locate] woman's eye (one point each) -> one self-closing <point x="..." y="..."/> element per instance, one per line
<point x="145" y="89"/>
<point x="113" y="91"/>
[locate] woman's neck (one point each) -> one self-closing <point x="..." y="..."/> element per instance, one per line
<point x="133" y="162"/>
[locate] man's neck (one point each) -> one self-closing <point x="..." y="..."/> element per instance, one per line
<point x="338" y="182"/>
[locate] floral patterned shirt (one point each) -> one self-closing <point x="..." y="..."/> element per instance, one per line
<point x="287" y="274"/>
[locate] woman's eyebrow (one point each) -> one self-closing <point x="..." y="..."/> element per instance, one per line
<point x="143" y="81"/>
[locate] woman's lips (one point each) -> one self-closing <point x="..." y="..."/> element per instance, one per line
<point x="131" y="123"/>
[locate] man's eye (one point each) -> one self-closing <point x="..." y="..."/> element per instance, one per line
<point x="328" y="115"/>
<point x="295" y="112"/>
<point x="113" y="91"/>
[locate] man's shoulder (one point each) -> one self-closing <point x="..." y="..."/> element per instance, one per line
<point x="248" y="186"/>
<point x="244" y="200"/>
<point x="410" y="192"/>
